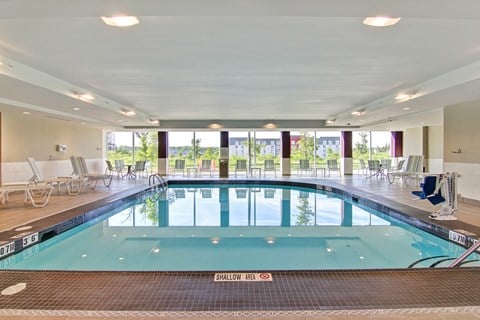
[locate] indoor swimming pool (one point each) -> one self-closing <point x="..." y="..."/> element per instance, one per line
<point x="232" y="227"/>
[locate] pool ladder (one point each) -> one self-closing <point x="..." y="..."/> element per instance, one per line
<point x="157" y="180"/>
<point x="457" y="262"/>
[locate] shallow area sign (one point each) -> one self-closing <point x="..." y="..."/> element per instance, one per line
<point x="242" y="276"/>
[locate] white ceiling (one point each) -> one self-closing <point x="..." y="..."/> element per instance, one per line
<point x="192" y="62"/>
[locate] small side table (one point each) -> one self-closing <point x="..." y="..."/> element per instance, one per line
<point x="256" y="169"/>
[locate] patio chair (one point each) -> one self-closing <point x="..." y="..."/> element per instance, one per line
<point x="73" y="185"/>
<point x="304" y="166"/>
<point x="363" y="167"/>
<point x="179" y="166"/>
<point x="241" y="165"/>
<point x="80" y="168"/>
<point x="114" y="169"/>
<point x="119" y="166"/>
<point x="241" y="193"/>
<point x="386" y="164"/>
<point x="206" y="167"/>
<point x="373" y="168"/>
<point x="206" y="193"/>
<point x="269" y="165"/>
<point x="332" y="165"/>
<point x="139" y="168"/>
<point x="269" y="193"/>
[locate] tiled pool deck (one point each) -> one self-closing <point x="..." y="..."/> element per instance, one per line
<point x="294" y="293"/>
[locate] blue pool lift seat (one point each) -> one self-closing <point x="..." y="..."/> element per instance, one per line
<point x="428" y="187"/>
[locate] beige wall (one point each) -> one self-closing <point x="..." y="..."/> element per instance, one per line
<point x="412" y="142"/>
<point x="462" y="131"/>
<point x="435" y="149"/>
<point x="38" y="136"/>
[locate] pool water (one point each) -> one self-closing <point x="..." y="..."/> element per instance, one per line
<point x="237" y="227"/>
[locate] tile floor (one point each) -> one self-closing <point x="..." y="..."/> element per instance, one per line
<point x="342" y="295"/>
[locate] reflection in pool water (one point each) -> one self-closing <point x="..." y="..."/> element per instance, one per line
<point x="236" y="227"/>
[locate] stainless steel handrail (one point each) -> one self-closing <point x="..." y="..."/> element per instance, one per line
<point x="157" y="178"/>
<point x="464" y="255"/>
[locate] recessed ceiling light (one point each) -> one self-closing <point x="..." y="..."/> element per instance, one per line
<point x="380" y="21"/>
<point x="120" y="21"/>
<point x="153" y="121"/>
<point x="402" y="96"/>
<point x="26" y="112"/>
<point x="358" y="112"/>
<point x="1" y="63"/>
<point x="215" y="126"/>
<point x="270" y="125"/>
<point x="332" y="121"/>
<point x="128" y="113"/>
<point x="86" y="96"/>
<point x="76" y="108"/>
<point x="406" y="108"/>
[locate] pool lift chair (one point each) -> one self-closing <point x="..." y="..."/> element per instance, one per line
<point x="448" y="186"/>
<point x="444" y="191"/>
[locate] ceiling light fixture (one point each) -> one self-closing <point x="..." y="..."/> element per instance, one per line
<point x="76" y="108"/>
<point x="153" y="120"/>
<point x="128" y="113"/>
<point x="26" y="112"/>
<point x="86" y="96"/>
<point x="380" y="21"/>
<point x="358" y="113"/>
<point x="120" y="21"/>
<point x="406" y="96"/>
<point x="215" y="125"/>
<point x="331" y="121"/>
<point x="270" y="125"/>
<point x="406" y="108"/>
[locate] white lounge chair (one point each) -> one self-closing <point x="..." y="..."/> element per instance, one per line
<point x="37" y="195"/>
<point x="413" y="169"/>
<point x="72" y="185"/>
<point x="80" y="169"/>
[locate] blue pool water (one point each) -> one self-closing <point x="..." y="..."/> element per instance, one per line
<point x="237" y="227"/>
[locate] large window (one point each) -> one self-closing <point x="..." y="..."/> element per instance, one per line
<point x="198" y="152"/>
<point x="255" y="148"/>
<point x="370" y="145"/>
<point x="133" y="146"/>
<point x="311" y="150"/>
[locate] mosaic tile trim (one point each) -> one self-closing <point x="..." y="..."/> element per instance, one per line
<point x="223" y="314"/>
